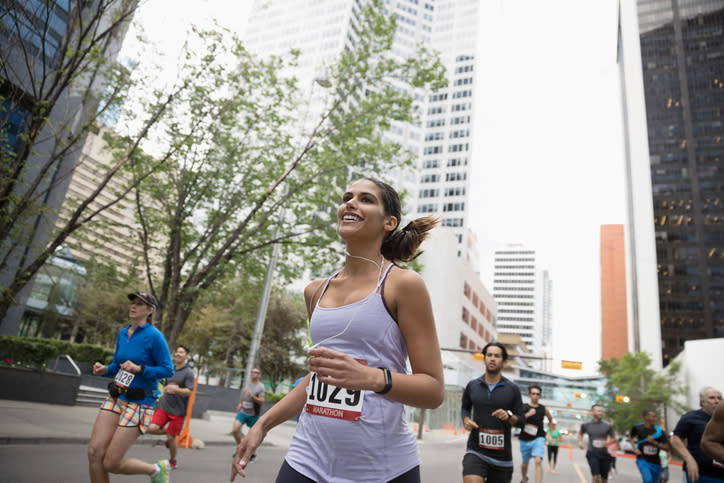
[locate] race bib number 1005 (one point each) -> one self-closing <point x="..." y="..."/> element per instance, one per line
<point x="491" y="439"/>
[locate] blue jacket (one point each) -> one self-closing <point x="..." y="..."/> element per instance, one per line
<point x="147" y="346"/>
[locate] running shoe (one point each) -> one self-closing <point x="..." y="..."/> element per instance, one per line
<point x="252" y="459"/>
<point x="162" y="475"/>
<point x="172" y="464"/>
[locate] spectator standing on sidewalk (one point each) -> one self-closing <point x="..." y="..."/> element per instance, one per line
<point x="171" y="407"/>
<point x="141" y="358"/>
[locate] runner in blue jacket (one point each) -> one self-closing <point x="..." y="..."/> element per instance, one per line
<point x="141" y="358"/>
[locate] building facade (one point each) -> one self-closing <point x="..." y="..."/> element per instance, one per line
<point x="35" y="40"/>
<point x="614" y="313"/>
<point x="672" y="58"/>
<point x="517" y="295"/>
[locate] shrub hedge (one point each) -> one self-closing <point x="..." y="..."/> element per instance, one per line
<point x="38" y="352"/>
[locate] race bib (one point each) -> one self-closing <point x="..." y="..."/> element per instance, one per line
<point x="651" y="450"/>
<point x="598" y="443"/>
<point x="491" y="439"/>
<point x="247" y="404"/>
<point x="124" y="378"/>
<point x="530" y="429"/>
<point x="334" y="402"/>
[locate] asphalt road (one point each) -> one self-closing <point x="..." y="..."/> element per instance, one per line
<point x="67" y="463"/>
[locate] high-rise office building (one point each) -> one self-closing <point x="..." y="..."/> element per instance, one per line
<point x="672" y="58"/>
<point x="442" y="142"/>
<point x="516" y="293"/>
<point x="614" y="314"/>
<point x="36" y="37"/>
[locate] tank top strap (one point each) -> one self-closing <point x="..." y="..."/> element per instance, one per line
<point x="381" y="284"/>
<point x="324" y="288"/>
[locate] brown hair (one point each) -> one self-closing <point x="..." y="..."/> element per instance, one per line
<point x="402" y="244"/>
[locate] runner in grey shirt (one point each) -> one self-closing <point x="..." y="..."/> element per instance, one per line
<point x="249" y="407"/>
<point x="600" y="435"/>
<point x="171" y="407"/>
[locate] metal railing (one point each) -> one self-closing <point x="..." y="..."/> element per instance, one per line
<point x="72" y="363"/>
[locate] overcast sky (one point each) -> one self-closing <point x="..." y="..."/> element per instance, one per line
<point x="548" y="153"/>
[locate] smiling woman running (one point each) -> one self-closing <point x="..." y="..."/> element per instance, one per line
<point x="140" y="360"/>
<point x="365" y="321"/>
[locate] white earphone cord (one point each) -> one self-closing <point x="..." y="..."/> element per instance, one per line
<point x="349" y="322"/>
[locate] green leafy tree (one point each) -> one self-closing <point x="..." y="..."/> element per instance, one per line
<point x="220" y="331"/>
<point x="633" y="377"/>
<point x="53" y="92"/>
<point x="101" y="307"/>
<point x="235" y="155"/>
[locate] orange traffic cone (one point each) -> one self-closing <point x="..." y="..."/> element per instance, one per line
<point x="184" y="439"/>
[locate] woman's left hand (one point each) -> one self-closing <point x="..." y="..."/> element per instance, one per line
<point x="341" y="370"/>
<point x="131" y="367"/>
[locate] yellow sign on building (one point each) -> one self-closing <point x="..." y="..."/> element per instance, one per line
<point x="571" y="365"/>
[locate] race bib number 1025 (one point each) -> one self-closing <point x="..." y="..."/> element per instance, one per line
<point x="334" y="402"/>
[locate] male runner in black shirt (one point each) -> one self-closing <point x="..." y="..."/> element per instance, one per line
<point x="496" y="406"/>
<point x="647" y="438"/>
<point x="533" y="436"/>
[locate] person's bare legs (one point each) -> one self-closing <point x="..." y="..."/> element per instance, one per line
<point x="472" y="479"/>
<point x="172" y="446"/>
<point x="538" y="470"/>
<point x="103" y="430"/>
<point x="115" y="460"/>
<point x="524" y="470"/>
<point x="236" y="431"/>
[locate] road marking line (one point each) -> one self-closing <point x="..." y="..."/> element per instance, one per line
<point x="580" y="473"/>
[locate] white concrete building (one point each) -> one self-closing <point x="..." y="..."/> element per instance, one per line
<point x="701" y="362"/>
<point x="464" y="309"/>
<point x="517" y="293"/>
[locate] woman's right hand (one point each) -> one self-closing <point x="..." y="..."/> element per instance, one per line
<point x="99" y="369"/>
<point x="246" y="448"/>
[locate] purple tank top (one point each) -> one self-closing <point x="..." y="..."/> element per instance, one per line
<point x="380" y="446"/>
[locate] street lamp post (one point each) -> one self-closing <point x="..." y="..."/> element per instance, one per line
<point x="263" y="305"/>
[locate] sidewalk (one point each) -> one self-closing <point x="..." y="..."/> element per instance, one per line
<point x="23" y="422"/>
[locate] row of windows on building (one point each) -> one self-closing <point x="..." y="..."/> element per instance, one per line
<point x="435" y="192"/>
<point x="477" y="327"/>
<point x="476" y="301"/>
<point x="453" y="222"/>
<point x="435" y="178"/>
<point x="446" y="207"/>
<point x="453" y="148"/>
<point x="454" y="121"/>
<point x="435" y="163"/>
<point x="465" y="106"/>
<point x="438" y="136"/>
<point x="469" y="344"/>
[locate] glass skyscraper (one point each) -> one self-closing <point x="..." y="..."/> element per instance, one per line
<point x="682" y="60"/>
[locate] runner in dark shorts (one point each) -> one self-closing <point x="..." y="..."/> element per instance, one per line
<point x="600" y="435"/>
